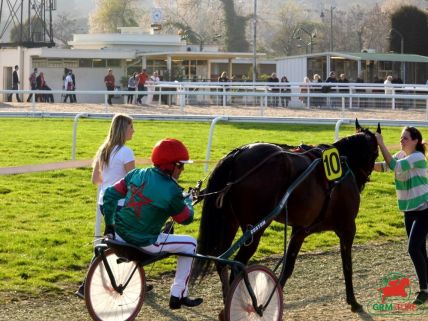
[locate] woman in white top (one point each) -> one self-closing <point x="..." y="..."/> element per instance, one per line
<point x="113" y="159"/>
<point x="112" y="162"/>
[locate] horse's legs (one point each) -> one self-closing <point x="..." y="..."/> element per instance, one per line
<point x="346" y="240"/>
<point x="297" y="237"/>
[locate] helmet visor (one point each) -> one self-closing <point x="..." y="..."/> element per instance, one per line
<point x="189" y="161"/>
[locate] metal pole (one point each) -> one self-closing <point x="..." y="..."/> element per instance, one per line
<point x="403" y="64"/>
<point x="331" y="28"/>
<point x="255" y="42"/>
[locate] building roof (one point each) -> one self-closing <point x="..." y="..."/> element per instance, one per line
<point x="199" y="55"/>
<point x="366" y="56"/>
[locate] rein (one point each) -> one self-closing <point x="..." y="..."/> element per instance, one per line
<point x="223" y="191"/>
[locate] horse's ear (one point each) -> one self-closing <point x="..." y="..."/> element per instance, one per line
<point x="378" y="130"/>
<point x="357" y="126"/>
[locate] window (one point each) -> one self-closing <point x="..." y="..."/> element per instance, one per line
<point x="85" y="63"/>
<point x="99" y="63"/>
<point x="113" y="63"/>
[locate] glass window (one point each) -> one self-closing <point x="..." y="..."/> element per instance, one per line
<point x="99" y="63"/>
<point x="40" y="63"/>
<point x="55" y="63"/>
<point x="85" y="63"/>
<point x="113" y="62"/>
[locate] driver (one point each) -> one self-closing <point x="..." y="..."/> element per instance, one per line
<point x="152" y="195"/>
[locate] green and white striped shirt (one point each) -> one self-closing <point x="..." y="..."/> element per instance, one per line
<point x="410" y="180"/>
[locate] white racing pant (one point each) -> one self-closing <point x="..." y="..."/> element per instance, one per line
<point x="172" y="243"/>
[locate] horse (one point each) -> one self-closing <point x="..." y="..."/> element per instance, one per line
<point x="249" y="182"/>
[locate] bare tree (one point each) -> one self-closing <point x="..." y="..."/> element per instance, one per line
<point x="111" y="14"/>
<point x="196" y="21"/>
<point x="65" y="26"/>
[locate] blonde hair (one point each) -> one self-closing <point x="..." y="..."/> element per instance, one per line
<point x="115" y="137"/>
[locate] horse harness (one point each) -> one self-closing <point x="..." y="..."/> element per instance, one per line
<point x="312" y="153"/>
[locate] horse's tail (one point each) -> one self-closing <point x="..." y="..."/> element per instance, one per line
<point x="215" y="222"/>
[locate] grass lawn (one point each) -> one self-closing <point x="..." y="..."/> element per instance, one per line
<point x="47" y="219"/>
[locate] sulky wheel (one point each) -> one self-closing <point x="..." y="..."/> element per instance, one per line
<point x="239" y="305"/>
<point x="102" y="301"/>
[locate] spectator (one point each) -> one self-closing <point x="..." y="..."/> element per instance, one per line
<point x="33" y="83"/>
<point x="68" y="86"/>
<point x="154" y="79"/>
<point x="132" y="86"/>
<point x="326" y="89"/>
<point x="142" y="78"/>
<point x="42" y="85"/>
<point x="73" y="96"/>
<point x="285" y="89"/>
<point x="343" y="89"/>
<point x="109" y="82"/>
<point x="112" y="162"/>
<point x="305" y="89"/>
<point x="316" y="78"/>
<point x="388" y="88"/>
<point x="274" y="89"/>
<point x="317" y="101"/>
<point x="15" y="83"/>
<point x="223" y="77"/>
<point x="343" y="79"/>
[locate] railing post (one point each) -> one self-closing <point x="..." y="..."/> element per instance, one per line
<point x="106" y="102"/>
<point x="73" y="144"/>
<point x="182" y="98"/>
<point x="210" y="138"/>
<point x="337" y="127"/>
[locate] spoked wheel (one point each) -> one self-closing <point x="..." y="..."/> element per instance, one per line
<point x="104" y="303"/>
<point x="239" y="305"/>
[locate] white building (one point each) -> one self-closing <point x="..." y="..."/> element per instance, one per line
<point x="131" y="50"/>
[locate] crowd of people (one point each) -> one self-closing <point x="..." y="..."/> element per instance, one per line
<point x="138" y="82"/>
<point x="37" y="81"/>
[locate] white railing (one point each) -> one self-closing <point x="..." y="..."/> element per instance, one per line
<point x="264" y="95"/>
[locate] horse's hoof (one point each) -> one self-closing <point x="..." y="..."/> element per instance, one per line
<point x="221" y="315"/>
<point x="356" y="307"/>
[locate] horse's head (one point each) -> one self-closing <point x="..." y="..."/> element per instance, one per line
<point x="361" y="150"/>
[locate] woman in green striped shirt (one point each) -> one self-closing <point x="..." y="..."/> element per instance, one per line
<point x="410" y="169"/>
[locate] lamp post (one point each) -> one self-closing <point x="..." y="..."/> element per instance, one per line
<point x="255" y="42"/>
<point x="403" y="65"/>
<point x="331" y="25"/>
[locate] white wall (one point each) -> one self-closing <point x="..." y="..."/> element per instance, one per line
<point x="86" y="79"/>
<point x="294" y="68"/>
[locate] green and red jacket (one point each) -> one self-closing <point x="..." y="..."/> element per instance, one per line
<point x="151" y="197"/>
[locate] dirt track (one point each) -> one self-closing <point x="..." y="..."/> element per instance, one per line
<point x="234" y="110"/>
<point x="314" y="292"/>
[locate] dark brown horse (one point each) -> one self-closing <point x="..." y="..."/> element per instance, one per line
<point x="258" y="176"/>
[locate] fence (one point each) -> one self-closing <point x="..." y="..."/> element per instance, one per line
<point x="264" y="95"/>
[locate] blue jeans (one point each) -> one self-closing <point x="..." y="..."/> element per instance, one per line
<point x="416" y="223"/>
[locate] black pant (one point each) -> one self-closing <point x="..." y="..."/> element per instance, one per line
<point x="110" y="88"/>
<point x="131" y="96"/>
<point x="9" y="98"/>
<point x="70" y="96"/>
<point x="31" y="95"/>
<point x="416" y="223"/>
<point x="141" y="88"/>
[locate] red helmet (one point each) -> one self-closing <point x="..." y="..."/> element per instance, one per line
<point x="169" y="151"/>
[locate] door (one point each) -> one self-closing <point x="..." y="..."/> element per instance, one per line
<point x="7" y="80"/>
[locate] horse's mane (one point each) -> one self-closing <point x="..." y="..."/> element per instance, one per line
<point x="361" y="152"/>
